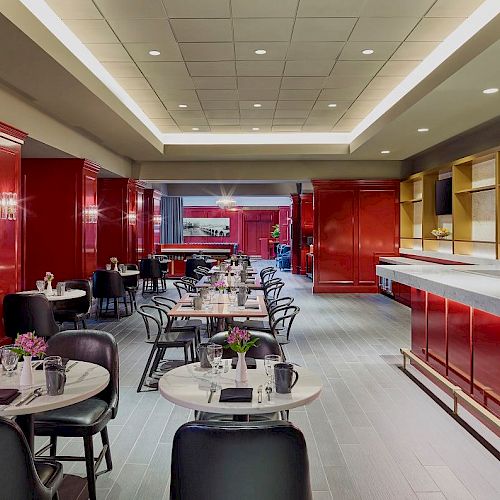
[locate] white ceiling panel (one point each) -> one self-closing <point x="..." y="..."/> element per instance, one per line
<point x="257" y="114"/>
<point x="260" y="68"/>
<point x="163" y="69"/>
<point x="76" y="9"/>
<point x="261" y="30"/>
<point x="316" y="67"/>
<point x="264" y="8"/>
<point x="345" y="124"/>
<point x="223" y="121"/>
<point x="454" y="8"/>
<point x="286" y="128"/>
<point x="383" y="29"/>
<point x="179" y="95"/>
<point x="330" y="8"/>
<point x="333" y="29"/>
<point x="165" y="122"/>
<point x="302" y="82"/>
<point x="143" y="95"/>
<point x="122" y="69"/>
<point x="192" y="106"/>
<point x="299" y="94"/>
<point x="275" y="51"/>
<point x="215" y="82"/>
<point x="263" y="105"/>
<point x="252" y="94"/>
<point x="384" y="82"/>
<point x="349" y="82"/>
<point x="197" y="9"/>
<point x="92" y="31"/>
<point x="398" y="8"/>
<point x="202" y="30"/>
<point x="154" y="110"/>
<point x="138" y="83"/>
<point x="143" y="31"/>
<point x="360" y="109"/>
<point x="162" y="84"/>
<point x="434" y="29"/>
<point x="218" y="95"/>
<point x="292" y="113"/>
<point x="304" y="105"/>
<point x="398" y="68"/>
<point x="222" y="51"/>
<point x="169" y="51"/>
<point x="341" y="106"/>
<point x="223" y="113"/>
<point x="108" y="52"/>
<point x="356" y="68"/>
<point x="213" y="68"/>
<point x="264" y="122"/>
<point x="373" y="94"/>
<point x="414" y="51"/>
<point x="314" y="50"/>
<point x="345" y="93"/>
<point x="131" y="9"/>
<point x="220" y="105"/>
<point x="352" y="51"/>
<point x="254" y="82"/>
<point x="189" y="128"/>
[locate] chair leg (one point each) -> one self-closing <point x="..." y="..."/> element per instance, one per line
<point x="125" y="303"/>
<point x="105" y="442"/>
<point x="84" y="324"/>
<point x="75" y="323"/>
<point x="53" y="446"/>
<point x="90" y="466"/>
<point x="146" y="368"/>
<point x="192" y="353"/>
<point x="186" y="360"/>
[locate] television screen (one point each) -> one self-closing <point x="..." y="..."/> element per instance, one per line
<point x="443" y="196"/>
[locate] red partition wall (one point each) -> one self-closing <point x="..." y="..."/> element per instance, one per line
<point x="11" y="140"/>
<point x="140" y="222"/>
<point x="355" y="222"/>
<point x="118" y="216"/>
<point x="295" y="234"/>
<point x="59" y="234"/>
<point x="302" y="229"/>
<point x="284" y="222"/>
<point x="258" y="225"/>
<point x="151" y="216"/>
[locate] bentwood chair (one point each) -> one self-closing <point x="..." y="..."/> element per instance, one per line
<point x="281" y="320"/>
<point x="274" y="454"/>
<point x="192" y="263"/>
<point x="273" y="291"/>
<point x="89" y="417"/>
<point x="184" y="287"/>
<point x="131" y="284"/>
<point x="28" y="313"/>
<point x="108" y="285"/>
<point x="22" y="477"/>
<point x="77" y="310"/>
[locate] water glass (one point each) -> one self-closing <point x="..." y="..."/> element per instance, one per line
<point x="214" y="355"/>
<point x="233" y="297"/>
<point x="40" y="285"/>
<point x="9" y="359"/>
<point x="108" y="267"/>
<point x="55" y="375"/>
<point x="269" y="361"/>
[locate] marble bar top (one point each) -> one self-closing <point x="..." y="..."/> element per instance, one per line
<point x="465" y="259"/>
<point x="454" y="282"/>
<point x="405" y="261"/>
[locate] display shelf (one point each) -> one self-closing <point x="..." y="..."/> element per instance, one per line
<point x="478" y="189"/>
<point x="414" y="200"/>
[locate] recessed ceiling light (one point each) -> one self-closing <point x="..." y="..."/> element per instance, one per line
<point x="257" y="105"/>
<point x="385" y="152"/>
<point x="260" y="52"/>
<point x="367" y="52"/>
<point x="332" y="105"/>
<point x="493" y="90"/>
<point x="255" y="128"/>
<point x="423" y="129"/>
<point x="195" y="129"/>
<point x="154" y="52"/>
<point x="183" y="105"/>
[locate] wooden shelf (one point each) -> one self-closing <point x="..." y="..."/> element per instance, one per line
<point x="478" y="189"/>
<point x="489" y="242"/>
<point x="415" y="200"/>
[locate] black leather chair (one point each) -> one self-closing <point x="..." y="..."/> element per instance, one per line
<point x="267" y="344"/>
<point x="89" y="417"/>
<point x="192" y="263"/>
<point x="131" y="284"/>
<point x="28" y="313"/>
<point x="22" y="477"/>
<point x="152" y="275"/>
<point x="262" y="460"/>
<point x="76" y="310"/>
<point x="108" y="285"/>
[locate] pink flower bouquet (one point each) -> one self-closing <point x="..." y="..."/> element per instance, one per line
<point x="239" y="340"/>
<point x="48" y="277"/>
<point x="28" y="344"/>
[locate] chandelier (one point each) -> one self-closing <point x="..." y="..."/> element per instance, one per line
<point x="226" y="203"/>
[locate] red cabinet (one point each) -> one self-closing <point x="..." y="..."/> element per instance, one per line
<point x="284" y="222"/>
<point x="355" y="222"/>
<point x="60" y="218"/>
<point x="302" y="229"/>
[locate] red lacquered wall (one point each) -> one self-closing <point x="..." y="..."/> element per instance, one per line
<point x="436" y="332"/>
<point x="419" y="323"/>
<point x="355" y="223"/>
<point x="151" y="210"/>
<point x="284" y="222"/>
<point x="11" y="140"/>
<point x="57" y="235"/>
<point x="302" y="228"/>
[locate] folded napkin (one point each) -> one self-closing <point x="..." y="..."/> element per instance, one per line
<point x="8" y="395"/>
<point x="251" y="363"/>
<point x="251" y="306"/>
<point x="236" y="395"/>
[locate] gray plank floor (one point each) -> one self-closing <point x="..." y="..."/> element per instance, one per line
<point x="372" y="434"/>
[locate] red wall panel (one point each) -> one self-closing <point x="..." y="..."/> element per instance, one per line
<point x="151" y="229"/>
<point x="436" y="332"/>
<point x="284" y="222"/>
<point x="419" y="323"/>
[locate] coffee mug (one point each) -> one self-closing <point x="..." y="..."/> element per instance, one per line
<point x="283" y="375"/>
<point x="202" y="354"/>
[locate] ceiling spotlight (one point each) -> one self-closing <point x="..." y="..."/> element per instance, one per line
<point x="255" y="129"/>
<point x="195" y="129"/>
<point x="493" y="90"/>
<point x="332" y="105"/>
<point x="154" y="52"/>
<point x="367" y="52"/>
<point x="183" y="105"/>
<point x="260" y="52"/>
<point x="423" y="129"/>
<point x="257" y="105"/>
<point x="385" y="152"/>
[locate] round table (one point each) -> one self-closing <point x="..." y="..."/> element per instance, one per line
<point x="83" y="380"/>
<point x="189" y="386"/>
<point x="130" y="272"/>
<point x="68" y="294"/>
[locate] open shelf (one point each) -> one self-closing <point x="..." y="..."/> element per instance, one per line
<point x="415" y="200"/>
<point x="478" y="189"/>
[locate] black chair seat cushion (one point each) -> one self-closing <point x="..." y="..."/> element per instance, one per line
<point x="87" y="417"/>
<point x="219" y="417"/>
<point x="68" y="315"/>
<point x="50" y="473"/>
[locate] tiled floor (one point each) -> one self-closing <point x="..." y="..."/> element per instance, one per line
<point x="372" y="434"/>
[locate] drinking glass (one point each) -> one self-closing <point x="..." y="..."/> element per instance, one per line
<point x="214" y="355"/>
<point x="55" y="375"/>
<point x="269" y="361"/>
<point x="9" y="359"/>
<point x="108" y="267"/>
<point x="40" y="285"/>
<point x="233" y="297"/>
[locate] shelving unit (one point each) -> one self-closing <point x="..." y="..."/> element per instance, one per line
<point x="473" y="223"/>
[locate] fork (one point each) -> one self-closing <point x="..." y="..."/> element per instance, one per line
<point x="259" y="394"/>
<point x="213" y="389"/>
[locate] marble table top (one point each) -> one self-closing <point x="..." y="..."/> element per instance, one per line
<point x="68" y="294"/>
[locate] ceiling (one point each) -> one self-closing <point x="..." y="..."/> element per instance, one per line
<point x="207" y="61"/>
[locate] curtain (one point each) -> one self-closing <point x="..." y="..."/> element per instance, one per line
<point x="172" y="210"/>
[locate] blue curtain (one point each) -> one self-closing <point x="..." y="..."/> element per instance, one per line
<point x="172" y="210"/>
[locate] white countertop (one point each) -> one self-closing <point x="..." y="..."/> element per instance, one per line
<point x="466" y="259"/>
<point x="405" y="261"/>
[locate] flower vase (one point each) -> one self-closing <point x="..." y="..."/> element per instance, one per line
<point x="241" y="368"/>
<point x="26" y="378"/>
<point x="115" y="267"/>
<point x="49" y="290"/>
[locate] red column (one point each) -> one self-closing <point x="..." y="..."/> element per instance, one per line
<point x="11" y="140"/>
<point x="60" y="219"/>
<point x="284" y="222"/>
<point x="151" y="219"/>
<point x="296" y="244"/>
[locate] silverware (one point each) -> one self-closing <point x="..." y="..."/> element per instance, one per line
<point x="226" y="366"/>
<point x="213" y="389"/>
<point x="259" y="394"/>
<point x="19" y="403"/>
<point x="268" y="392"/>
<point x="68" y="368"/>
<point x="36" y="394"/>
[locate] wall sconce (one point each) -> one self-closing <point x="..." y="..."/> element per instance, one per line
<point x="8" y="206"/>
<point x="90" y="214"/>
<point x="132" y="218"/>
<point x="156" y="219"/>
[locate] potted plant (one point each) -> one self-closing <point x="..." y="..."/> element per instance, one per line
<point x="275" y="233"/>
<point x="28" y="345"/>
<point x="240" y="341"/>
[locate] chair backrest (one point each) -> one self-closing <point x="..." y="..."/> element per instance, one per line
<point x="81" y="304"/>
<point x="155" y="314"/>
<point x="272" y="304"/>
<point x="268" y="276"/>
<point x="282" y="318"/>
<point x="183" y="288"/>
<point x="273" y="291"/>
<point x="19" y="477"/>
<point x="164" y="302"/>
<point x="270" y="282"/>
<point x="267" y="344"/>
<point x="28" y="313"/>
<point x="150" y="268"/>
<point x="131" y="281"/>
<point x="107" y="284"/>
<point x="274" y="454"/>
<point x="192" y="264"/>
<point x="93" y="346"/>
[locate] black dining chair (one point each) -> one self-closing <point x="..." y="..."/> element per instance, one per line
<point x="131" y="284"/>
<point x="77" y="310"/>
<point x="267" y="344"/>
<point x="152" y="276"/>
<point x="183" y="287"/>
<point x="281" y="320"/>
<point x="192" y="263"/>
<point x="22" y="477"/>
<point x="274" y="454"/>
<point x="89" y="417"/>
<point x="108" y="285"/>
<point x="273" y="291"/>
<point x="28" y="313"/>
